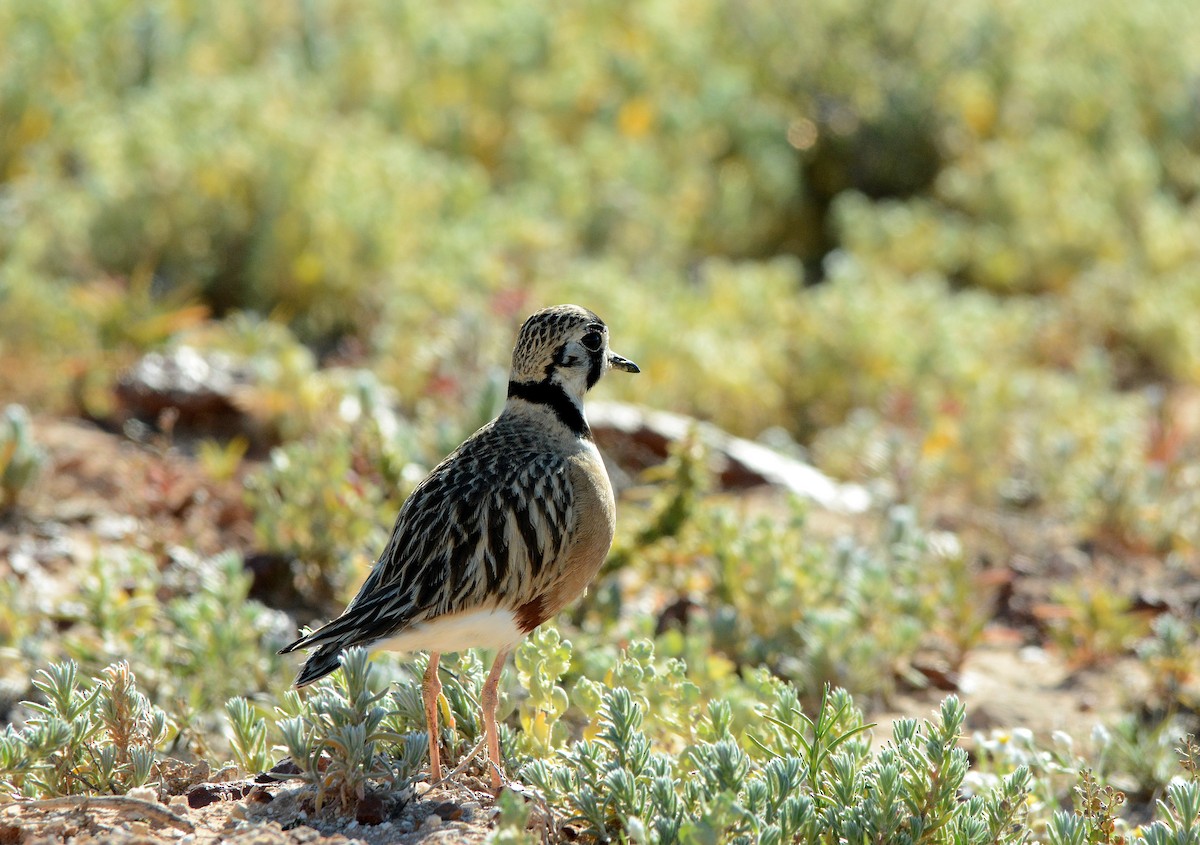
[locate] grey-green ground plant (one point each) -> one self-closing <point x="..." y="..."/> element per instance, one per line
<point x="188" y="631"/>
<point x="1094" y="821"/>
<point x="460" y="723"/>
<point x="1053" y="765"/>
<point x="512" y="823"/>
<point x="338" y="735"/>
<point x="21" y="459"/>
<point x="177" y="625"/>
<point x="784" y="778"/>
<point x="248" y="732"/>
<point x="1178" y="816"/>
<point x="98" y="738"/>
<point x="1178" y="820"/>
<point x="542" y="661"/>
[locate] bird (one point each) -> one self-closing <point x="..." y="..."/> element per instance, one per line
<point x="502" y="534"/>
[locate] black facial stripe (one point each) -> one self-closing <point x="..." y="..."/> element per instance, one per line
<point x="553" y="396"/>
<point x="595" y="368"/>
<point x="559" y="359"/>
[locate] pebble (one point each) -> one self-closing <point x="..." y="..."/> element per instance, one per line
<point x="448" y="811"/>
<point x="226" y="775"/>
<point x="259" y="795"/>
<point x="432" y="822"/>
<point x="143" y="793"/>
<point x="114" y="527"/>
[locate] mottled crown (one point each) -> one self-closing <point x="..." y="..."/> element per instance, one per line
<point x="544" y="335"/>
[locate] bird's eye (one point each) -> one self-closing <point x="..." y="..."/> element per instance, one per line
<point x="592" y="341"/>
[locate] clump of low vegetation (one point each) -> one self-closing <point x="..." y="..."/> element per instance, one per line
<point x="84" y="737"/>
<point x="21" y="459"/>
<point x="190" y="634"/>
<point x="337" y="736"/>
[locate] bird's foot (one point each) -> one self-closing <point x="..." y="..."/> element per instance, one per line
<point x="499" y="778"/>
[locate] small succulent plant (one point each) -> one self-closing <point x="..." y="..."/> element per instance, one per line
<point x="21" y="459"/>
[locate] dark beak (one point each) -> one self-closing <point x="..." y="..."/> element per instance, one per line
<point x="619" y="363"/>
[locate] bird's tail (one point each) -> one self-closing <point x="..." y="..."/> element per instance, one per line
<point x="330" y="640"/>
<point x="319" y="664"/>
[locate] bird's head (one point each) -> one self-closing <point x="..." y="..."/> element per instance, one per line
<point x="565" y="345"/>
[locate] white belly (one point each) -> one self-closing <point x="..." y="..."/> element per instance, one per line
<point x="491" y="628"/>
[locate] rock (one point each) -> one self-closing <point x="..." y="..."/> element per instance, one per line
<point x="178" y="776"/>
<point x="259" y="795"/>
<point x="227" y="774"/>
<point x="283" y="770"/>
<point x="448" y="811"/>
<point x="143" y="793"/>
<point x="197" y="386"/>
<point x="372" y="810"/>
<point x="209" y="793"/>
<point x="639" y="437"/>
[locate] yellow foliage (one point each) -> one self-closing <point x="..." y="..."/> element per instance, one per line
<point x="636" y="117"/>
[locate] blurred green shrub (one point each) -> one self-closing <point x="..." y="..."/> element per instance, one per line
<point x="21" y="459"/>
<point x="763" y="591"/>
<point x="328" y="164"/>
<point x="1001" y="208"/>
<point x="1095" y="624"/>
<point x="327" y="502"/>
<point x="188" y="631"/>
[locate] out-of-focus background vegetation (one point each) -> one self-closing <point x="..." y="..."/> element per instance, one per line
<point x="950" y="251"/>
<point x="975" y="228"/>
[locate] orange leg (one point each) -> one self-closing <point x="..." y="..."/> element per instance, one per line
<point x="430" y="690"/>
<point x="491" y="697"/>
